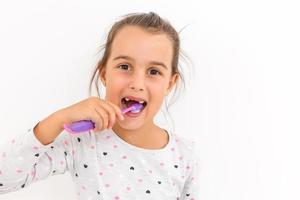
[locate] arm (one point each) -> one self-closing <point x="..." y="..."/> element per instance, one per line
<point x="35" y="155"/>
<point x="48" y="129"/>
<point x="191" y="190"/>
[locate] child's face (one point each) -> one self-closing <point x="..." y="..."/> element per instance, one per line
<point x="133" y="69"/>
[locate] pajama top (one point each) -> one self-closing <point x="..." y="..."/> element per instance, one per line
<point x="103" y="166"/>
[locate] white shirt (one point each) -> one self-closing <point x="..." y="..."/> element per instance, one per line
<point x="104" y="166"/>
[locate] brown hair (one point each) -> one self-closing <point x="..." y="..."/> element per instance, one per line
<point x="151" y="22"/>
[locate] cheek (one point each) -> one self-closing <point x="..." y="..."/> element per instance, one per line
<point x="157" y="95"/>
<point x="114" y="87"/>
<point x="159" y="87"/>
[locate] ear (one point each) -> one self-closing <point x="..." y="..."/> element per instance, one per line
<point x="102" y="75"/>
<point x="172" y="82"/>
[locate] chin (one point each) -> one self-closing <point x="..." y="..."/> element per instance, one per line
<point x="131" y="125"/>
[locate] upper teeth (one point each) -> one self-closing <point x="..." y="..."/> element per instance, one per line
<point x="126" y="99"/>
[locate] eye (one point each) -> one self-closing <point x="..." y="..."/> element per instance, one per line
<point x="123" y="66"/>
<point x="155" y="72"/>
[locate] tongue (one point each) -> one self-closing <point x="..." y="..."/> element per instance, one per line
<point x="130" y="103"/>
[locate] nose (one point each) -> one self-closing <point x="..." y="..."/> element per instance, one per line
<point x="137" y="82"/>
<point x="136" y="88"/>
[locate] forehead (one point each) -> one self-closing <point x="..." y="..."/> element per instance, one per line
<point x="142" y="46"/>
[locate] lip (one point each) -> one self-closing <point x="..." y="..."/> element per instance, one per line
<point x="134" y="98"/>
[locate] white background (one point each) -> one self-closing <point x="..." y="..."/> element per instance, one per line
<point x="241" y="103"/>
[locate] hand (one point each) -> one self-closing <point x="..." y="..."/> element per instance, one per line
<point x="102" y="112"/>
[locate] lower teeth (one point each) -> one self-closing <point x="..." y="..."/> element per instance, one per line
<point x="135" y="111"/>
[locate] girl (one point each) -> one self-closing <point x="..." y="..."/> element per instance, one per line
<point x="125" y="156"/>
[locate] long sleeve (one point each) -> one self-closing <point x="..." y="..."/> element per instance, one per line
<point x="191" y="190"/>
<point x="25" y="160"/>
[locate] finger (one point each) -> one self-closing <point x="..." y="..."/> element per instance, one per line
<point x="98" y="121"/>
<point x="104" y="115"/>
<point x="117" y="110"/>
<point x="111" y="114"/>
<point x="112" y="118"/>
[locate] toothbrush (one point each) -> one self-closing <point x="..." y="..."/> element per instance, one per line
<point x="86" y="125"/>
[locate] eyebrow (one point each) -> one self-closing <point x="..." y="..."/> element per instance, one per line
<point x="151" y="62"/>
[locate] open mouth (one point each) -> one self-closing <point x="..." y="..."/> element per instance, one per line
<point x="126" y="102"/>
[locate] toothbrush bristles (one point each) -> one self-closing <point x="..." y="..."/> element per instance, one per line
<point x="134" y="107"/>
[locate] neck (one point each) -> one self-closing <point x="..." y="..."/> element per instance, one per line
<point x="148" y="136"/>
<point x="128" y="134"/>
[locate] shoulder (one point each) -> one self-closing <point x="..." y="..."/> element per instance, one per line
<point x="186" y="146"/>
<point x="189" y="151"/>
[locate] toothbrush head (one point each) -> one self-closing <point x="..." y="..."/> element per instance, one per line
<point x="135" y="107"/>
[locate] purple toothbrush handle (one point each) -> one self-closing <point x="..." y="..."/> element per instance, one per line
<point x="80" y="126"/>
<point x="85" y="125"/>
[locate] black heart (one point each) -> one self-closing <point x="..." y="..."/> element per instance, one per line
<point x="78" y="139"/>
<point x="187" y="195"/>
<point x="37" y="155"/>
<point x="23" y="186"/>
<point x="65" y="153"/>
<point x="159" y="182"/>
<point x="98" y="192"/>
<point x="176" y="166"/>
<point x="76" y="175"/>
<point x="148" y="191"/>
<point x="85" y="166"/>
<point x="104" y="153"/>
<point x="132" y="168"/>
